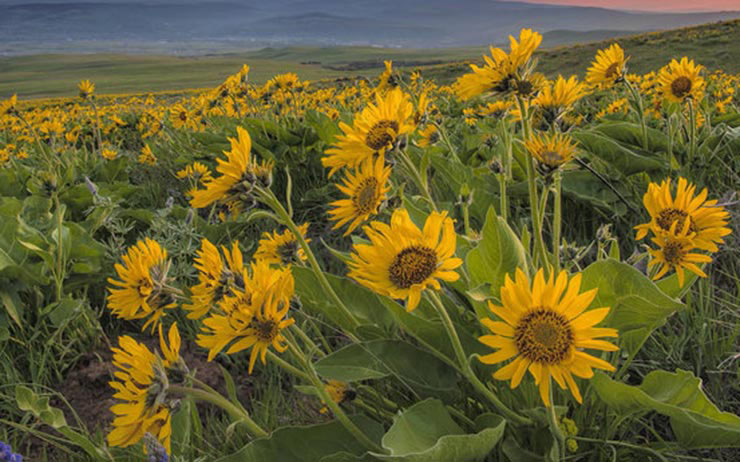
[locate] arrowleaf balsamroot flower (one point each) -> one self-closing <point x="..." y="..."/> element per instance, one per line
<point x="281" y="248"/>
<point x="502" y="73"/>
<point x="141" y="289"/>
<point x="141" y="384"/>
<point x="239" y="174"/>
<point x="707" y="220"/>
<point x="681" y="80"/>
<point x="86" y="89"/>
<point x="552" y="150"/>
<point x="674" y="253"/>
<point x="216" y="278"/>
<point x="365" y="188"/>
<point x="253" y="318"/>
<point x="608" y="68"/>
<point x="401" y="260"/>
<point x="375" y="130"/>
<point x="544" y="328"/>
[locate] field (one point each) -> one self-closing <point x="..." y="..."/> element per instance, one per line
<point x="317" y="256"/>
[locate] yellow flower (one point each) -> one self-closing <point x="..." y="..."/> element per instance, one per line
<point x="707" y="220"/>
<point x="197" y="171"/>
<point x="366" y="189"/>
<point x="9" y="105"/>
<point x="239" y="174"/>
<point x="339" y="392"/>
<point x="681" y="80"/>
<point x="561" y="95"/>
<point x="496" y="110"/>
<point x="401" y="260"/>
<point x="608" y="68"/>
<point x="108" y="153"/>
<point x="141" y="385"/>
<point x="254" y="318"/>
<point x="545" y="328"/>
<point x="674" y="253"/>
<point x="140" y="288"/>
<point x="281" y="248"/>
<point x="216" y="279"/>
<point x="551" y="150"/>
<point x="86" y="89"/>
<point x="284" y="81"/>
<point x="374" y="131"/>
<point x="147" y="157"/>
<point x="180" y="117"/>
<point x="502" y="72"/>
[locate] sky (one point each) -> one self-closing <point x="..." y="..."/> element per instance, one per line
<point x="652" y="5"/>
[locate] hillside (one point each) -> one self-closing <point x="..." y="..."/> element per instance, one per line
<point x="713" y="45"/>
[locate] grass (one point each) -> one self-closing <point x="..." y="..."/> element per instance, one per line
<point x="713" y="45"/>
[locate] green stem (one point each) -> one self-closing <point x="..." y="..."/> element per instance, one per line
<point x="466" y="218"/>
<point x="692" y="132"/>
<point x="640" y="112"/>
<point x="285" y="365"/>
<point x="554" y="426"/>
<point x="557" y="219"/>
<point x="330" y="403"/>
<point x="60" y="266"/>
<point x="223" y="403"/>
<point x="421" y="184"/>
<point x="505" y="175"/>
<point x="269" y="198"/>
<point x="540" y="249"/>
<point x="465" y="367"/>
<point x="307" y="340"/>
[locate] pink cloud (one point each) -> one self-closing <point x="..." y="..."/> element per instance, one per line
<point x="652" y="5"/>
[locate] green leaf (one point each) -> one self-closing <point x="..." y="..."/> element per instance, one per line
<point x="696" y="421"/>
<point x="64" y="310"/>
<point x="307" y="443"/>
<point x="638" y="306"/>
<point x="381" y="358"/>
<point x="623" y="158"/>
<point x="181" y="428"/>
<point x="362" y="303"/>
<point x="499" y="253"/>
<point x="425" y="432"/>
<point x="13" y="305"/>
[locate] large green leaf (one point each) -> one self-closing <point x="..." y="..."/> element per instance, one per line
<point x="624" y="159"/>
<point x="630" y="134"/>
<point x="362" y="303"/>
<point x="382" y="358"/>
<point x="425" y="432"/>
<point x="499" y="253"/>
<point x="696" y="422"/>
<point x="307" y="443"/>
<point x="638" y="305"/>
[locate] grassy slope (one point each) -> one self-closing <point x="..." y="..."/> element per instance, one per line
<point x="714" y="45"/>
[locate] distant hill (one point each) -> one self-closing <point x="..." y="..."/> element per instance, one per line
<point x="218" y="26"/>
<point x="712" y="45"/>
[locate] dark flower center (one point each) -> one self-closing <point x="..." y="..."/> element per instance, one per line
<point x="681" y="87"/>
<point x="673" y="253"/>
<point x="288" y="252"/>
<point x="544" y="336"/>
<point x="381" y="134"/>
<point x="265" y="331"/>
<point x="413" y="265"/>
<point x="667" y="217"/>
<point x="366" y="197"/>
<point x="612" y="72"/>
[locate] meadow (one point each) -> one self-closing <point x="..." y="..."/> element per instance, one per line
<point x="531" y="258"/>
